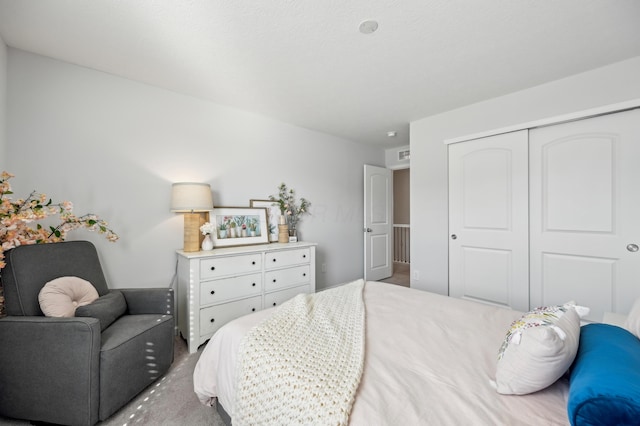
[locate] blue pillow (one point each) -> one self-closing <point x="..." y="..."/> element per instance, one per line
<point x="604" y="386"/>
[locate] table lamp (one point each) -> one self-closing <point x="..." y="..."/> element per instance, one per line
<point x="195" y="201"/>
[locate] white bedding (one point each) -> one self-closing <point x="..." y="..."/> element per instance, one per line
<point x="429" y="360"/>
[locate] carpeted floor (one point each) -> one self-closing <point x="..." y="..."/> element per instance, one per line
<point x="400" y="275"/>
<point x="169" y="401"/>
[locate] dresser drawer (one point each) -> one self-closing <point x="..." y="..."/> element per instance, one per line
<point x="225" y="266"/>
<point x="230" y="288"/>
<point x="279" y="259"/>
<point x="214" y="317"/>
<point x="288" y="277"/>
<point x="279" y="297"/>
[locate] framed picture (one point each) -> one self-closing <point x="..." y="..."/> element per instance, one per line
<point x="273" y="216"/>
<point x="239" y="226"/>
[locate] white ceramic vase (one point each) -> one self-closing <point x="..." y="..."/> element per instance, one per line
<point x="207" y="243"/>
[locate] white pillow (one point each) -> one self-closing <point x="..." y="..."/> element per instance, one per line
<point x="538" y="349"/>
<point x="61" y="297"/>
<point x="632" y="323"/>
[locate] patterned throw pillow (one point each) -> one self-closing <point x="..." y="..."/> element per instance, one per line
<point x="538" y="348"/>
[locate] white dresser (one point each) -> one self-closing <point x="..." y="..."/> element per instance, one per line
<point x="217" y="286"/>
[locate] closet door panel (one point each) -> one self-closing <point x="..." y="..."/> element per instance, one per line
<point x="488" y="226"/>
<point x="584" y="212"/>
<point x="578" y="191"/>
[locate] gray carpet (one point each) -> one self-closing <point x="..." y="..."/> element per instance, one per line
<point x="169" y="401"/>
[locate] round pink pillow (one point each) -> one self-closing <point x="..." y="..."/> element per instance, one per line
<point x="61" y="297"/>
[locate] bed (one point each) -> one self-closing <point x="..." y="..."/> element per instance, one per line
<point x="430" y="359"/>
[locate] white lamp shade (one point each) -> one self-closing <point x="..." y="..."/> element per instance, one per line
<point x="191" y="197"/>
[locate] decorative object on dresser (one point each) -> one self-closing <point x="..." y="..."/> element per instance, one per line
<point x="283" y="230"/>
<point x="195" y="201"/>
<point x="207" y="229"/>
<point x="216" y="287"/>
<point x="273" y="216"/>
<point x="239" y="226"/>
<point x="291" y="209"/>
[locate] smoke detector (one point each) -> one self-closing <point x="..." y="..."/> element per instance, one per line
<point x="368" y="27"/>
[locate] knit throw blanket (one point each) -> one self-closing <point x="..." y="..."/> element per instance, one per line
<point x="302" y="365"/>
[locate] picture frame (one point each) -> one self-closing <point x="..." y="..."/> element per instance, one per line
<point x="239" y="226"/>
<point x="273" y="216"/>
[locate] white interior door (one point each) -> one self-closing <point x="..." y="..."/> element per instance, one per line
<point x="488" y="220"/>
<point x="378" y="222"/>
<point x="585" y="213"/>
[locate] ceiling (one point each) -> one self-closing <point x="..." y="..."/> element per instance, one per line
<point x="305" y="61"/>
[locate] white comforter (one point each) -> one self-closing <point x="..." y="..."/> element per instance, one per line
<point x="429" y="360"/>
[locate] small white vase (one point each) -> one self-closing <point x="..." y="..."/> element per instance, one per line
<point x="207" y="243"/>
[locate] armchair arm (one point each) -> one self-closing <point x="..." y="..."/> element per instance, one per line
<point x="149" y="300"/>
<point x="49" y="369"/>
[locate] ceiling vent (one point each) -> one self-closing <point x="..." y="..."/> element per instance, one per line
<point x="404" y="155"/>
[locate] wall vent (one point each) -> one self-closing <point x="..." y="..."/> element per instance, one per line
<point x="404" y="155"/>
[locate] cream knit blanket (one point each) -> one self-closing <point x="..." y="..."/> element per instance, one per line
<point x="302" y="365"/>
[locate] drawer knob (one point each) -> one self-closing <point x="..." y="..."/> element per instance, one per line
<point x="213" y="292"/>
<point x="274" y="259"/>
<point x="274" y="303"/>
<point x="304" y="274"/>
<point x="253" y="285"/>
<point x="213" y="268"/>
<point x="253" y="309"/>
<point x="253" y="263"/>
<point x="274" y="280"/>
<point x="304" y="256"/>
<point x="212" y="320"/>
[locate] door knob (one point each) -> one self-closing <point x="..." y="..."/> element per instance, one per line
<point x="454" y="236"/>
<point x="368" y="230"/>
<point x="632" y="248"/>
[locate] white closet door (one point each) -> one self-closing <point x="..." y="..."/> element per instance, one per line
<point x="488" y="220"/>
<point x="585" y="213"/>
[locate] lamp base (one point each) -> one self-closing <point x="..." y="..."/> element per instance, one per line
<point x="192" y="235"/>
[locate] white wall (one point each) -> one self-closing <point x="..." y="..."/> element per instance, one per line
<point x="114" y="146"/>
<point x="3" y="103"/>
<point x="429" y="234"/>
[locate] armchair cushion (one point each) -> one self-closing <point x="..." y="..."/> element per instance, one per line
<point x="107" y="308"/>
<point x="60" y="297"/>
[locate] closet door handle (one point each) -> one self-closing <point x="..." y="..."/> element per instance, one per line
<point x="632" y="248"/>
<point x="454" y="236"/>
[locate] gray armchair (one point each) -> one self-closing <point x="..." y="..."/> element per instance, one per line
<point x="66" y="370"/>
